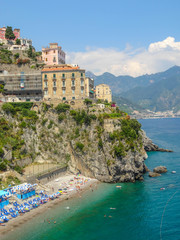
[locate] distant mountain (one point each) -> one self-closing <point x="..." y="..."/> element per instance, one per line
<point x="160" y="96"/>
<point x="126" y="105"/>
<point x="125" y="83"/>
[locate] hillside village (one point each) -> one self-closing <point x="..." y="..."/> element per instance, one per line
<point x="27" y="75"/>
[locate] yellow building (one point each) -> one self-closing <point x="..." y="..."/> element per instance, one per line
<point x="103" y="92"/>
<point x="64" y="82"/>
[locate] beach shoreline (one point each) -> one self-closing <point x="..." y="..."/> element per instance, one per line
<point x="22" y="219"/>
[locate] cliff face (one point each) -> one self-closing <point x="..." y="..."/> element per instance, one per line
<point x="104" y="163"/>
<point x="104" y="144"/>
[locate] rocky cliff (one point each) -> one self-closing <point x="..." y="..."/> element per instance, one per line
<point x="101" y="143"/>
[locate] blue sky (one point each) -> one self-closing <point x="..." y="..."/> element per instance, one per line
<point x="97" y="27"/>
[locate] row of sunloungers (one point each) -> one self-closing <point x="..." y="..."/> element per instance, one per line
<point x="19" y="209"/>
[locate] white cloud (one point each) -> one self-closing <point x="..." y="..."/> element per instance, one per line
<point x="135" y="62"/>
<point x="168" y="44"/>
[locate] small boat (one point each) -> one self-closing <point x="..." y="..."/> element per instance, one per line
<point x="173" y="172"/>
<point x="162" y="188"/>
<point x="118" y="186"/>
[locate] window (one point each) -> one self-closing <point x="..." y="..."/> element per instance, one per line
<point x="63" y="75"/>
<point x="64" y="98"/>
<point x="64" y="83"/>
<point x="73" y="83"/>
<point x="72" y="74"/>
<point x="54" y="75"/>
<point x="82" y="82"/>
<point x="46" y="59"/>
<point x="54" y="51"/>
<point x="46" y="84"/>
<point x="54" y="59"/>
<point x="73" y="98"/>
<point x="81" y="74"/>
<point x="82" y="91"/>
<point x="64" y="91"/>
<point x="73" y="91"/>
<point x="45" y="76"/>
<point x="54" y="84"/>
<point x="54" y="92"/>
<point x="45" y="92"/>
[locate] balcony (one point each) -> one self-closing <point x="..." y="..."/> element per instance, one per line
<point x="73" y="87"/>
<point x="63" y="88"/>
<point x="63" y="77"/>
<point x="72" y="78"/>
<point x="82" y="87"/>
<point x="54" y="88"/>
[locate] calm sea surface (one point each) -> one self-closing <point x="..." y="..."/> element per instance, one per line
<point x="138" y="207"/>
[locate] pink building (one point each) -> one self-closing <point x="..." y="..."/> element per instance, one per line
<point x="53" y="55"/>
<point x="3" y="32"/>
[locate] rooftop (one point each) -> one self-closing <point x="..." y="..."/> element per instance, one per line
<point x="60" y="67"/>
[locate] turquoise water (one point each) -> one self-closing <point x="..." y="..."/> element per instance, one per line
<point x="138" y="207"/>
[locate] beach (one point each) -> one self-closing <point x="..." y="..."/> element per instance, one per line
<point x="74" y="189"/>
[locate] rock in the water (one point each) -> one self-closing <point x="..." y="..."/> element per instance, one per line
<point x="147" y="169"/>
<point x="149" y="146"/>
<point x="160" y="169"/>
<point x="154" y="174"/>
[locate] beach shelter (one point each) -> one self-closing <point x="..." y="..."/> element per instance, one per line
<point x="3" y="202"/>
<point x="2" y="193"/>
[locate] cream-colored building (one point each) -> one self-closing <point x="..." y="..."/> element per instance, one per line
<point x="64" y="82"/>
<point x="103" y="92"/>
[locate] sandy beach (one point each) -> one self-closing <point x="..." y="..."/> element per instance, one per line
<point x="74" y="189"/>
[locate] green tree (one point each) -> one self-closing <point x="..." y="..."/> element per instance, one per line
<point x="9" y="33"/>
<point x="16" y="55"/>
<point x="87" y="101"/>
<point x="31" y="52"/>
<point x="18" y="41"/>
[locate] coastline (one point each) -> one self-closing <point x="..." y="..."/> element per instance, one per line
<point x="22" y="219"/>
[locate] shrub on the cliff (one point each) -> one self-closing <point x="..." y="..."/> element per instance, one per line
<point x="100" y="144"/>
<point x="3" y="166"/>
<point x="18" y="169"/>
<point x="19" y="106"/>
<point x="119" y="150"/>
<point x="101" y="120"/>
<point x="62" y="107"/>
<point x="50" y="124"/>
<point x="81" y="117"/>
<point x="22" y="124"/>
<point x="8" y="108"/>
<point x="44" y="121"/>
<point x="87" y="101"/>
<point x="1" y="152"/>
<point x="79" y="146"/>
<point x="61" y="117"/>
<point x="130" y="127"/>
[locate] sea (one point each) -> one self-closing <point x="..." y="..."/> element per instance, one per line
<point x="137" y="211"/>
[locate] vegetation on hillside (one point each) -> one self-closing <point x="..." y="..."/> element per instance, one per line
<point x="55" y="128"/>
<point x="9" y="33"/>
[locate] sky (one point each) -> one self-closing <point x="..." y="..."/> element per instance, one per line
<point x="123" y="37"/>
